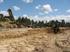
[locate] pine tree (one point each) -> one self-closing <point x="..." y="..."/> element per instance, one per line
<point x="11" y="17"/>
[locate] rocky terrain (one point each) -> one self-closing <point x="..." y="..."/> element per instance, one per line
<point x="34" y="40"/>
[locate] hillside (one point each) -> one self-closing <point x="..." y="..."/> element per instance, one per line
<point x="34" y="40"/>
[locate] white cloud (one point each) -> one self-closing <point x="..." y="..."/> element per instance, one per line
<point x="28" y="1"/>
<point x="68" y="11"/>
<point x="60" y="17"/>
<point x="46" y="8"/>
<point x="16" y="8"/>
<point x="55" y="10"/>
<point x="1" y="1"/>
<point x="35" y="18"/>
<point x="48" y="18"/>
<point x="37" y="7"/>
<point x="25" y="15"/>
<point x="5" y="13"/>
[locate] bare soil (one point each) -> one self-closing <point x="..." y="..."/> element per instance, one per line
<point x="34" y="40"/>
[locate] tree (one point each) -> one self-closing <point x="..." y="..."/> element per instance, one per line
<point x="55" y="26"/>
<point x="32" y="23"/>
<point x="11" y="17"/>
<point x="46" y="24"/>
<point x="18" y="21"/>
<point x="63" y="23"/>
<point x="50" y="23"/>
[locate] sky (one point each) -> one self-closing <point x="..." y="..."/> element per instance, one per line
<point x="38" y="9"/>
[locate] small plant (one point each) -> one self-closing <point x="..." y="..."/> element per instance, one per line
<point x="38" y="49"/>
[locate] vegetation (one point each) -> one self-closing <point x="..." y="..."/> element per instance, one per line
<point x="24" y="21"/>
<point x="32" y="39"/>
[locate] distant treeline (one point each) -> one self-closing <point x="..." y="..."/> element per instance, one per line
<point x="28" y="22"/>
<point x="24" y="21"/>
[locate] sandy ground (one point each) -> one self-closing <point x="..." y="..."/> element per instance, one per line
<point x="34" y="40"/>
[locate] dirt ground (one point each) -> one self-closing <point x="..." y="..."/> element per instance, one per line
<point x="34" y="40"/>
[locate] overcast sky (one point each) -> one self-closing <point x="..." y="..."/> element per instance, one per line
<point x="38" y="9"/>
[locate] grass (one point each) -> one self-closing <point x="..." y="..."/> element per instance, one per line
<point x="28" y="40"/>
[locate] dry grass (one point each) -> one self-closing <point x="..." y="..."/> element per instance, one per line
<point x="32" y="40"/>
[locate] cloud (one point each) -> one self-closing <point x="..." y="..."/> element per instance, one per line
<point x="68" y="11"/>
<point x="5" y="13"/>
<point x="28" y="1"/>
<point x="37" y="7"/>
<point x="60" y="17"/>
<point x="1" y="1"/>
<point x="16" y="8"/>
<point x="55" y="10"/>
<point x="46" y="8"/>
<point x="25" y="15"/>
<point x="48" y="18"/>
<point x="35" y="18"/>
